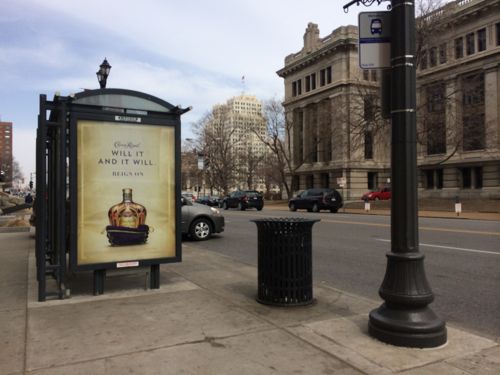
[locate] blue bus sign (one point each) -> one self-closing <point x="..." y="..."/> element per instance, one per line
<point x="374" y="40"/>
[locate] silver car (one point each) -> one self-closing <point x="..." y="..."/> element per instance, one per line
<point x="199" y="221"/>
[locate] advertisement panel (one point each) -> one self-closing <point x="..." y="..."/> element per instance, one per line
<point x="125" y="192"/>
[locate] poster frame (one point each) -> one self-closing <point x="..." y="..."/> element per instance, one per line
<point x="79" y="113"/>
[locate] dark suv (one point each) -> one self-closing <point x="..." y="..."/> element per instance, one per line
<point x="243" y="199"/>
<point x="316" y="199"/>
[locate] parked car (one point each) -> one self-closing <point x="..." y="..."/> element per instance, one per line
<point x="189" y="195"/>
<point x="243" y="199"/>
<point x="208" y="200"/>
<point x="381" y="194"/>
<point x="199" y="221"/>
<point x="315" y="200"/>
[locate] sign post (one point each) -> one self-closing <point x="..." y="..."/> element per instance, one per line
<point x="342" y="181"/>
<point x="405" y="319"/>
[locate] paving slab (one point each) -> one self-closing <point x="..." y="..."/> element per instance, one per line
<point x="257" y="353"/>
<point x="352" y="333"/>
<point x="485" y="362"/>
<point x="14" y="250"/>
<point x="118" y="284"/>
<point x="338" y="350"/>
<point x="438" y="369"/>
<point x="12" y="341"/>
<point x="13" y="292"/>
<point x="98" y="367"/>
<point x="237" y="282"/>
<point x="67" y="333"/>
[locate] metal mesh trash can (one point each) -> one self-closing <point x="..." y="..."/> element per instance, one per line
<point x="285" y="261"/>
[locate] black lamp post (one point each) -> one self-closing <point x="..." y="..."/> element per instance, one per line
<point x="103" y="73"/>
<point x="405" y="319"/>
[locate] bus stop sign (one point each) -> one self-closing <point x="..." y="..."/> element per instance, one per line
<point x="374" y="40"/>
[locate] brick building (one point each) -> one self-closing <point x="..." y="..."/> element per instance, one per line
<point x="6" y="156"/>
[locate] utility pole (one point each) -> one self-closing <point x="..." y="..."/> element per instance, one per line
<point x="404" y="319"/>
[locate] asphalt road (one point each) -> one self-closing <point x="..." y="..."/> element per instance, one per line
<point x="462" y="259"/>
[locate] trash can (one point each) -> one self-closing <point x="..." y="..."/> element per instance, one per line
<point x="285" y="261"/>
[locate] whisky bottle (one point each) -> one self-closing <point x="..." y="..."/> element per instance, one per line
<point x="127" y="213"/>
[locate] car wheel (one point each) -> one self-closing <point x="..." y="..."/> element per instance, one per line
<point x="334" y="210"/>
<point x="240" y="207"/>
<point x="292" y="207"/>
<point x="376" y="198"/>
<point x="259" y="208"/>
<point x="201" y="229"/>
<point x="315" y="208"/>
<point x="224" y="205"/>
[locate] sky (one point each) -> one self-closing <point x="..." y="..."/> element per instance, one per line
<point x="186" y="52"/>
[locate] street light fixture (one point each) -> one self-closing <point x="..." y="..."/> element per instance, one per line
<point x="404" y="319"/>
<point x="103" y="73"/>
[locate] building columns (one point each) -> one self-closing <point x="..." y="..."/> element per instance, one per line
<point x="491" y="106"/>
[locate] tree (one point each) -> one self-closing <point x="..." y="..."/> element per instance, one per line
<point x="215" y="138"/>
<point x="269" y="169"/>
<point x="250" y="163"/>
<point x="275" y="140"/>
<point x="17" y="173"/>
<point x="428" y="23"/>
<point x="189" y="167"/>
<point x="289" y="153"/>
<point x="10" y="171"/>
<point x="366" y="128"/>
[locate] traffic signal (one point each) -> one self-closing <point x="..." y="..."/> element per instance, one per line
<point x="31" y="184"/>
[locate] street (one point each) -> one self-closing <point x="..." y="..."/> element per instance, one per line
<point x="462" y="259"/>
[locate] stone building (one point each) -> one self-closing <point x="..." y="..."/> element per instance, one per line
<point x="332" y="106"/>
<point x="6" y="156"/>
<point x="458" y="91"/>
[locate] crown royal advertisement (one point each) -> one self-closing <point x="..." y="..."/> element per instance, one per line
<point x="126" y="192"/>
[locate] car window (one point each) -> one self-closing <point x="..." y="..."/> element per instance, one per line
<point x="186" y="201"/>
<point x="315" y="192"/>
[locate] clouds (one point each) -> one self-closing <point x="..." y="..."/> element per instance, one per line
<point x="192" y="52"/>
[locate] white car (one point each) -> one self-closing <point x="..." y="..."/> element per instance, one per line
<point x="189" y="196"/>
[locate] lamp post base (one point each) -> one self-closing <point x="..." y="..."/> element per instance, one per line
<point x="410" y="327"/>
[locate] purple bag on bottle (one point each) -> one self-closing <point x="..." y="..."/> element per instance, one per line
<point x="123" y="236"/>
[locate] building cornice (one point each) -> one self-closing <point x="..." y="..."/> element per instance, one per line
<point x="455" y="12"/>
<point x="343" y="37"/>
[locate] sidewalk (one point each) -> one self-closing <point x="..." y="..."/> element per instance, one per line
<point x="383" y="208"/>
<point x="203" y="320"/>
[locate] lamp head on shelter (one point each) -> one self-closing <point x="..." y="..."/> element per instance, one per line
<point x="103" y="73"/>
